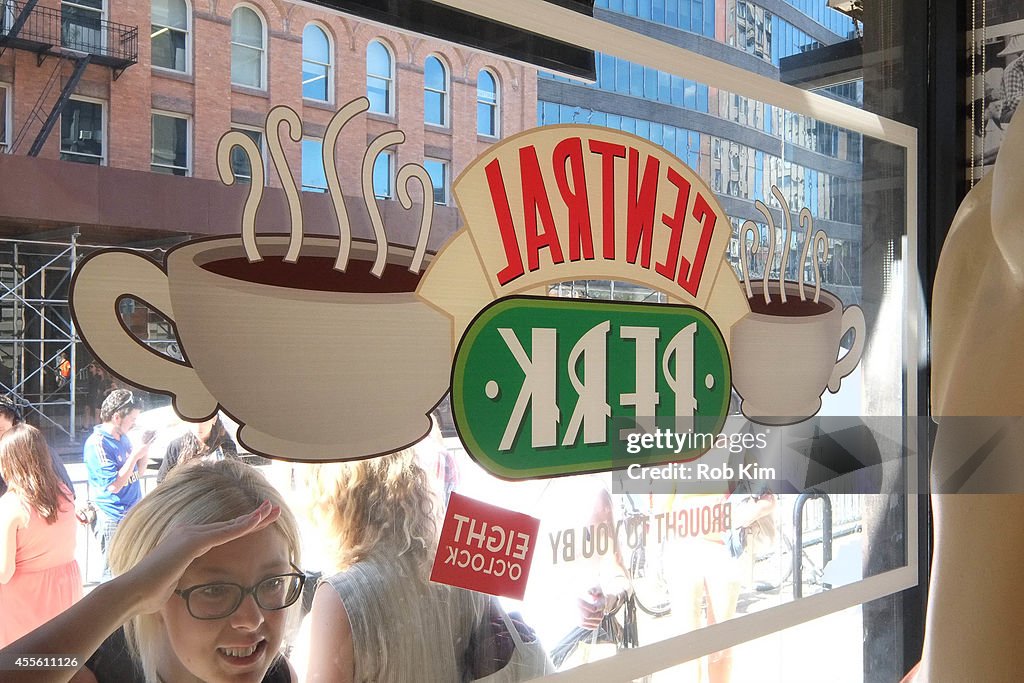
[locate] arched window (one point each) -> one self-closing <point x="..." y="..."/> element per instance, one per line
<point x="317" y="77"/>
<point x="487" y="121"/>
<point x="435" y="92"/>
<point x="248" y="49"/>
<point x="171" y="36"/>
<point x="380" y="78"/>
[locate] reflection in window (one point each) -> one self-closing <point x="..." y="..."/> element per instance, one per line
<point x="248" y="52"/>
<point x="81" y="132"/>
<point x="170" y="34"/>
<point x="438" y="171"/>
<point x="5" y="108"/>
<point x="314" y="179"/>
<point x="81" y="25"/>
<point x="170" y="145"/>
<point x="383" y="176"/>
<point x="240" y="165"/>
<point x="380" y="78"/>
<point x="435" y="92"/>
<point x="316" y="64"/>
<point x="486" y="104"/>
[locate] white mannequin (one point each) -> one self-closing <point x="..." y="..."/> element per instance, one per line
<point x="976" y="606"/>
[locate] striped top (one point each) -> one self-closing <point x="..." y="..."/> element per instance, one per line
<point x="403" y="627"/>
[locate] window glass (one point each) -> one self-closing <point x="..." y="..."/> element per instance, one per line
<point x="435" y="92"/>
<point x="314" y="179"/>
<point x="170" y="145"/>
<point x="383" y="176"/>
<point x="4" y="113"/>
<point x="81" y="132"/>
<point x="170" y="32"/>
<point x="486" y="104"/>
<point x="81" y="25"/>
<point x="247" y="49"/>
<point x="379" y="78"/>
<point x="316" y="64"/>
<point x="240" y="165"/>
<point x="438" y="171"/>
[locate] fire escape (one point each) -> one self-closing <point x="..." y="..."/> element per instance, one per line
<point x="35" y="321"/>
<point x="81" y="38"/>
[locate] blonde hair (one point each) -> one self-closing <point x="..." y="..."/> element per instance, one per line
<point x="199" y="494"/>
<point x="384" y="504"/>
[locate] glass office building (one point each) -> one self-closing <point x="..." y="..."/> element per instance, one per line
<point x="740" y="147"/>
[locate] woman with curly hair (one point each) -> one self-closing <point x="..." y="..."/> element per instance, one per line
<point x="39" y="577"/>
<point x="380" y="618"/>
<point x="206" y="440"/>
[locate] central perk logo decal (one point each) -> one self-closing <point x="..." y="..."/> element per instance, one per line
<point x="339" y="348"/>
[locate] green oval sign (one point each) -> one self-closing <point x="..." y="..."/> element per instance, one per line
<point x="544" y="387"/>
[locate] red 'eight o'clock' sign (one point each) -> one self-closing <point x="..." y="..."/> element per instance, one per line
<point x="485" y="548"/>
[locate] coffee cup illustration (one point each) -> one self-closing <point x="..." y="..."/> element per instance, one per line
<point x="785" y="354"/>
<point x="315" y="364"/>
<point x="319" y="347"/>
<point x="785" y="351"/>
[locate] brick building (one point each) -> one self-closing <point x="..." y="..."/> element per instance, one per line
<point x="138" y="94"/>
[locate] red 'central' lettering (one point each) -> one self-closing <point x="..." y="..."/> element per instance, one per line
<point x="640" y="208"/>
<point x="580" y="237"/>
<point x="609" y="153"/>
<point x="689" y="276"/>
<point x="535" y="200"/>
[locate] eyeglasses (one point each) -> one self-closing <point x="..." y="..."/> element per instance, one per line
<point x="220" y="600"/>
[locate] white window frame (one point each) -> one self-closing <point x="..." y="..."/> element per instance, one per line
<point x="263" y="149"/>
<point x="329" y="64"/>
<point x="103" y="11"/>
<point x="445" y="93"/>
<point x="389" y="110"/>
<point x="446" y="167"/>
<point x="262" y="49"/>
<point x="188" y="40"/>
<point x="496" y="104"/>
<point x="188" y="141"/>
<point x="6" y="96"/>
<point x="103" y="128"/>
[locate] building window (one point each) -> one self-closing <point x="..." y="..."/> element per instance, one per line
<point x="317" y="81"/>
<point x="438" y="171"/>
<point x="81" y="24"/>
<point x="314" y="179"/>
<point x="383" y="176"/>
<point x="248" y="52"/>
<point x="240" y="165"/>
<point x="487" y="104"/>
<point x="81" y="133"/>
<point x="170" y="36"/>
<point x="5" y="120"/>
<point x="170" y="145"/>
<point x="435" y="92"/>
<point x="380" y="78"/>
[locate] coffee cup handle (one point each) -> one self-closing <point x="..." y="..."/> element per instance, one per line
<point x="100" y="282"/>
<point x="853" y="319"/>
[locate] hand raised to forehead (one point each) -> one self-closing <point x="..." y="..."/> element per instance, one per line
<point x="159" y="573"/>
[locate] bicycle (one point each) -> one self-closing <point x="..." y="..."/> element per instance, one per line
<point x="646" y="565"/>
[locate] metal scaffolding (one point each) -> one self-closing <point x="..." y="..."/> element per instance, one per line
<point x="36" y="327"/>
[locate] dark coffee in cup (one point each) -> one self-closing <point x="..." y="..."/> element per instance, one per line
<point x="317" y="273"/>
<point x="792" y="307"/>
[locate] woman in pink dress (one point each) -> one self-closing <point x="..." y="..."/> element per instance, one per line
<point x="39" y="577"/>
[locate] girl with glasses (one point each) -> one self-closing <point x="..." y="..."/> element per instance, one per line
<point x="205" y="570"/>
